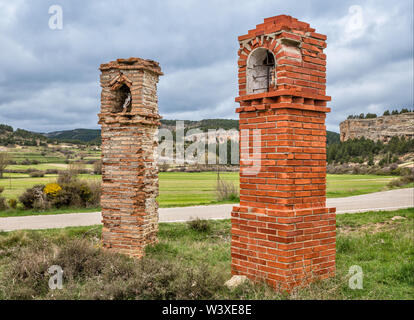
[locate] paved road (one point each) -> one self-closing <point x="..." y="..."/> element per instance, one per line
<point x="388" y="200"/>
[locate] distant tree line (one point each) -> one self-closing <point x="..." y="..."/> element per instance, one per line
<point x="374" y="115"/>
<point x="204" y="125"/>
<point x="361" y="150"/>
<point x="9" y="136"/>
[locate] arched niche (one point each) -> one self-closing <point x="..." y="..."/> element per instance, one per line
<point x="260" y="71"/>
<point x="123" y="99"/>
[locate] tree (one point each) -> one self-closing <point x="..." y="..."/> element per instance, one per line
<point x="97" y="167"/>
<point x="371" y="160"/>
<point x="370" y="116"/>
<point x="4" y="162"/>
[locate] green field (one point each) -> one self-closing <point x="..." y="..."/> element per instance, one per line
<point x="190" y="188"/>
<point x="345" y="185"/>
<point x="53" y="154"/>
<point x="176" y="188"/>
<point x="198" y="188"/>
<point x="193" y="263"/>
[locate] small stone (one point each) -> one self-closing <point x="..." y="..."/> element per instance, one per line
<point x="236" y="281"/>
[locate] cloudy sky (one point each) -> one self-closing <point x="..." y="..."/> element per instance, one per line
<point x="49" y="78"/>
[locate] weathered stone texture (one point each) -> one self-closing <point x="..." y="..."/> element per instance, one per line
<point x="282" y="231"/>
<point x="381" y="128"/>
<point x="129" y="154"/>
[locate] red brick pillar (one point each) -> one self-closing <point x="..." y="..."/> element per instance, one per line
<point x="282" y="232"/>
<point x="129" y="118"/>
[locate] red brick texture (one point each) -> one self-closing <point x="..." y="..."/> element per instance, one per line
<point x="282" y="232"/>
<point x="129" y="154"/>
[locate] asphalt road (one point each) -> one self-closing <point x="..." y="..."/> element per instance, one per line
<point x="387" y="200"/>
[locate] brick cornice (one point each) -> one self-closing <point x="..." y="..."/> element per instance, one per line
<point x="127" y="118"/>
<point x="288" y="92"/>
<point x="281" y="23"/>
<point x="133" y="64"/>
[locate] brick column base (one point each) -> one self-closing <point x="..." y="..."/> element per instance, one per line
<point x="285" y="248"/>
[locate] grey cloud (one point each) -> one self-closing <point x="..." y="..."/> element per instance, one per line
<point x="49" y="79"/>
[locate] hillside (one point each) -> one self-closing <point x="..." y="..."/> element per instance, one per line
<point x="83" y="135"/>
<point x="203" y="125"/>
<point x="9" y="136"/>
<point x="227" y="124"/>
<point x="332" y="137"/>
<point x="93" y="136"/>
<point x="378" y="128"/>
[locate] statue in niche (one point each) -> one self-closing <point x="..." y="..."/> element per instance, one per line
<point x="126" y="107"/>
<point x="120" y="85"/>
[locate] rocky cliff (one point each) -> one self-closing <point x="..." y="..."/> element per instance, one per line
<point x="381" y="128"/>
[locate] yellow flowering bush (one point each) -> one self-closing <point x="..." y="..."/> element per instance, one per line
<point x="52" y="189"/>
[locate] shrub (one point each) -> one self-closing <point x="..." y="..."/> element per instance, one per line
<point x="26" y="162"/>
<point x="164" y="167"/>
<point x="199" y="225"/>
<point x="407" y="176"/>
<point x="29" y="273"/>
<point x="52" y="171"/>
<point x="91" y="273"/>
<point x="396" y="183"/>
<point x="97" y="167"/>
<point x="37" y="174"/>
<point x="226" y="191"/>
<point x="52" y="189"/>
<point x="77" y="168"/>
<point x="4" y="162"/>
<point x="96" y="192"/>
<point x="3" y="204"/>
<point x="34" y="198"/>
<point x="66" y="177"/>
<point x="12" y="203"/>
<point x="371" y="160"/>
<point x="68" y="191"/>
<point x="73" y="194"/>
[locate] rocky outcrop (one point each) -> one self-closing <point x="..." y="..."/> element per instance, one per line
<point x="381" y="128"/>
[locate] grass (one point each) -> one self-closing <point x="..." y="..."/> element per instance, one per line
<point x="179" y="189"/>
<point x="191" y="188"/>
<point x="16" y="183"/>
<point x="40" y="166"/>
<point x="19" y="212"/>
<point x="198" y="188"/>
<point x="345" y="185"/>
<point x="53" y="154"/>
<point x="176" y="188"/>
<point x="382" y="247"/>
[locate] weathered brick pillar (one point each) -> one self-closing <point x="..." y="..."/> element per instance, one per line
<point x="129" y="118"/>
<point x="282" y="231"/>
